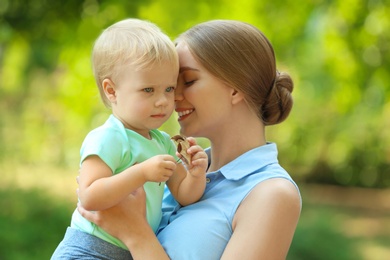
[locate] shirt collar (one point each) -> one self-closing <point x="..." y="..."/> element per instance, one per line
<point x="249" y="162"/>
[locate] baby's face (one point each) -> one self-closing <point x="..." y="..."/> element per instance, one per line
<point x="145" y="98"/>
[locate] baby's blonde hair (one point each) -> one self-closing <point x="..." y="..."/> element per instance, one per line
<point x="132" y="42"/>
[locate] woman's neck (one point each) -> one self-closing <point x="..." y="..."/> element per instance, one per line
<point x="234" y="141"/>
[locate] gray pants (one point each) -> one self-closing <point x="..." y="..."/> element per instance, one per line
<point x="80" y="245"/>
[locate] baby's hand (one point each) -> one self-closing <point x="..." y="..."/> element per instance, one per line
<point x="199" y="159"/>
<point x="159" y="168"/>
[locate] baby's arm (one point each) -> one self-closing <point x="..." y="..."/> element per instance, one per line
<point x="188" y="186"/>
<point x="99" y="189"/>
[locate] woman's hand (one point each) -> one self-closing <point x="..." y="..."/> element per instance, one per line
<point x="122" y="220"/>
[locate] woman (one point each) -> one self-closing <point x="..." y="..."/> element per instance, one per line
<point x="228" y="91"/>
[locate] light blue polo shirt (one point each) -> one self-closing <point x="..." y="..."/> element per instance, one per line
<point x="203" y="229"/>
<point x="121" y="148"/>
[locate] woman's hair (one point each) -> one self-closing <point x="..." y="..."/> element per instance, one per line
<point x="132" y="42"/>
<point x="239" y="54"/>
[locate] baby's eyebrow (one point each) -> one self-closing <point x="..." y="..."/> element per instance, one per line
<point x="159" y="85"/>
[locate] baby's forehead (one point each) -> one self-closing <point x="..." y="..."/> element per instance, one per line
<point x="156" y="74"/>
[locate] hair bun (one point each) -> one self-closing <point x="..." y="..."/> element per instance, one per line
<point x="279" y="102"/>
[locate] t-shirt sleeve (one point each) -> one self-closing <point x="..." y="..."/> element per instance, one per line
<point x="108" y="145"/>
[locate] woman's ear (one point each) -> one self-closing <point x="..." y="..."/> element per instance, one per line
<point x="237" y="96"/>
<point x="109" y="90"/>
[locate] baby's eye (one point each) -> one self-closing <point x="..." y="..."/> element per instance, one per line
<point x="169" y="89"/>
<point x="148" y="90"/>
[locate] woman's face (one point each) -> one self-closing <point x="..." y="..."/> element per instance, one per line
<point x="202" y="101"/>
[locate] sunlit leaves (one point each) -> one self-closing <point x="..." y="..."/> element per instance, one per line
<point x="337" y="52"/>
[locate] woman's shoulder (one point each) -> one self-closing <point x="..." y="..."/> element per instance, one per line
<point x="278" y="198"/>
<point x="276" y="189"/>
<point x="275" y="194"/>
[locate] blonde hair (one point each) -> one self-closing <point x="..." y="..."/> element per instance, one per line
<point x="239" y="54"/>
<point x="132" y="42"/>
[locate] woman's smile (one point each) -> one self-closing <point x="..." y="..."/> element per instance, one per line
<point x="184" y="113"/>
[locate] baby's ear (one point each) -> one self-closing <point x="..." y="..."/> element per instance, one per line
<point x="237" y="96"/>
<point x="109" y="90"/>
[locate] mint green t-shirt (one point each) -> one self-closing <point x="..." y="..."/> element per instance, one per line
<point x="120" y="148"/>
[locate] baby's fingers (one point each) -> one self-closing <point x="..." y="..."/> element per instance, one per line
<point x="192" y="141"/>
<point x="196" y="151"/>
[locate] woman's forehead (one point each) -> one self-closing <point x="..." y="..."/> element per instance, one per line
<point x="186" y="59"/>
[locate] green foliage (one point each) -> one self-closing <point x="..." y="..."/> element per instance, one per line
<point x="318" y="237"/>
<point x="32" y="224"/>
<point x="336" y="52"/>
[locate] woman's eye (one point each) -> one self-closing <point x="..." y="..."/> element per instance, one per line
<point x="187" y="83"/>
<point x="148" y="90"/>
<point x="170" y="89"/>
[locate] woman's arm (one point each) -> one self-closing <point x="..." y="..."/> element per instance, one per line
<point x="265" y="222"/>
<point x="127" y="222"/>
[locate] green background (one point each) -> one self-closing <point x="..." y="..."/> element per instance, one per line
<point x="336" y="142"/>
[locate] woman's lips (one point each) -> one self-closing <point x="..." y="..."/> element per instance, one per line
<point x="184" y="113"/>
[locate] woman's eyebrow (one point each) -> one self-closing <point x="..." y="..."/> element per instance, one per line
<point x="183" y="69"/>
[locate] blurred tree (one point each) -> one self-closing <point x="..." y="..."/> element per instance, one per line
<point x="337" y="52"/>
